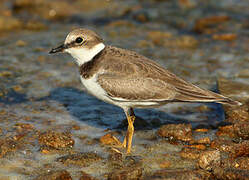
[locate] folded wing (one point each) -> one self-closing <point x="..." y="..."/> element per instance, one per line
<point x="136" y="78"/>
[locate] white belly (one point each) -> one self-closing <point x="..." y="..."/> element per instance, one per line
<point x="95" y="89"/>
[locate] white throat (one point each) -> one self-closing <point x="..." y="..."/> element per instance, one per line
<point x="83" y="55"/>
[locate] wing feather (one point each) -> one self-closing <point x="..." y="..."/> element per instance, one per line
<point x="132" y="77"/>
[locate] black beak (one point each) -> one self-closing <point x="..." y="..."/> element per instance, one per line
<point x="60" y="48"/>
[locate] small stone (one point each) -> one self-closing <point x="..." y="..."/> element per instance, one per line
<point x="158" y="37"/>
<point x="128" y="168"/>
<point x="6" y="73"/>
<point x="226" y="131"/>
<point x="201" y="130"/>
<point x="181" y="132"/>
<point x="9" y="23"/>
<point x="23" y="126"/>
<point x="76" y="127"/>
<point x="35" y="26"/>
<point x="55" y="175"/>
<point x="7" y="146"/>
<point x="85" y="176"/>
<point x="208" y="24"/>
<point x="241" y="163"/>
<point x="179" y="174"/>
<point x="109" y="139"/>
<point x="165" y="164"/>
<point x="17" y="88"/>
<point x="243" y="73"/>
<point x="241" y="149"/>
<point x="205" y="140"/>
<point x="223" y="145"/>
<point x="120" y="23"/>
<point x="190" y="153"/>
<point x="242" y="130"/>
<point x="209" y="159"/>
<point x="224" y="37"/>
<point x="21" y="43"/>
<point x="56" y="140"/>
<point x="80" y="159"/>
<point x="127" y="173"/>
<point x="197" y="146"/>
<point x="230" y="174"/>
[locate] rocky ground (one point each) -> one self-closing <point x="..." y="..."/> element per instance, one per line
<point x="51" y="129"/>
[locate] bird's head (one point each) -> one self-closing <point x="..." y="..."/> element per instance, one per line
<point x="82" y="44"/>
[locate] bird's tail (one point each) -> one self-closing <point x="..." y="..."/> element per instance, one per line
<point x="196" y="94"/>
<point x="230" y="102"/>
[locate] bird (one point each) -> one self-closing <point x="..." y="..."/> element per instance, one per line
<point x="127" y="79"/>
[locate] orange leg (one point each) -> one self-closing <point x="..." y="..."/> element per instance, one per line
<point x="130" y="130"/>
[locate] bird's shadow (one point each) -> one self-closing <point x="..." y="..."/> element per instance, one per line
<point x="86" y="108"/>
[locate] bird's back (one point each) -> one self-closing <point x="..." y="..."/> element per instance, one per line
<point x="155" y="82"/>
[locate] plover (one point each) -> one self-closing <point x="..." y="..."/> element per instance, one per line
<point x="127" y="79"/>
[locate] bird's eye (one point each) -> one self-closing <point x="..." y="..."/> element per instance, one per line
<point x="79" y="40"/>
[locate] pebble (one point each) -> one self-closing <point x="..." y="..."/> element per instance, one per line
<point x="79" y="159"/>
<point x="181" y="132"/>
<point x="55" y="175"/>
<point x="209" y="159"/>
<point x="56" y="140"/>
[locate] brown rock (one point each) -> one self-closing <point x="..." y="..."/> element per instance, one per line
<point x="158" y="37"/>
<point x="187" y="3"/>
<point x="190" y="153"/>
<point x="21" y="43"/>
<point x="109" y="139"/>
<point x="23" y="127"/>
<point x="128" y="174"/>
<point x="180" y="174"/>
<point x="209" y="159"/>
<point x="230" y="174"/>
<point x="205" y="140"/>
<point x="241" y="130"/>
<point x="241" y="149"/>
<point x="208" y="24"/>
<point x="234" y="149"/>
<point x="168" y="40"/>
<point x="238" y="130"/>
<point x="7" y="146"/>
<point x="244" y="73"/>
<point x="9" y="23"/>
<point x="224" y="37"/>
<point x="56" y="140"/>
<point x="55" y="175"/>
<point x="165" y="164"/>
<point x="230" y="88"/>
<point x="226" y="131"/>
<point x="181" y="132"/>
<point x="238" y="163"/>
<point x="197" y="146"/>
<point x="35" y="26"/>
<point x="86" y="176"/>
<point x="120" y="23"/>
<point x="201" y="130"/>
<point x="6" y="74"/>
<point x="80" y="159"/>
<point x="238" y="114"/>
<point x="222" y="145"/>
<point x="128" y="168"/>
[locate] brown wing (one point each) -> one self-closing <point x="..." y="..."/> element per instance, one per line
<point x="137" y="88"/>
<point x="130" y="76"/>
